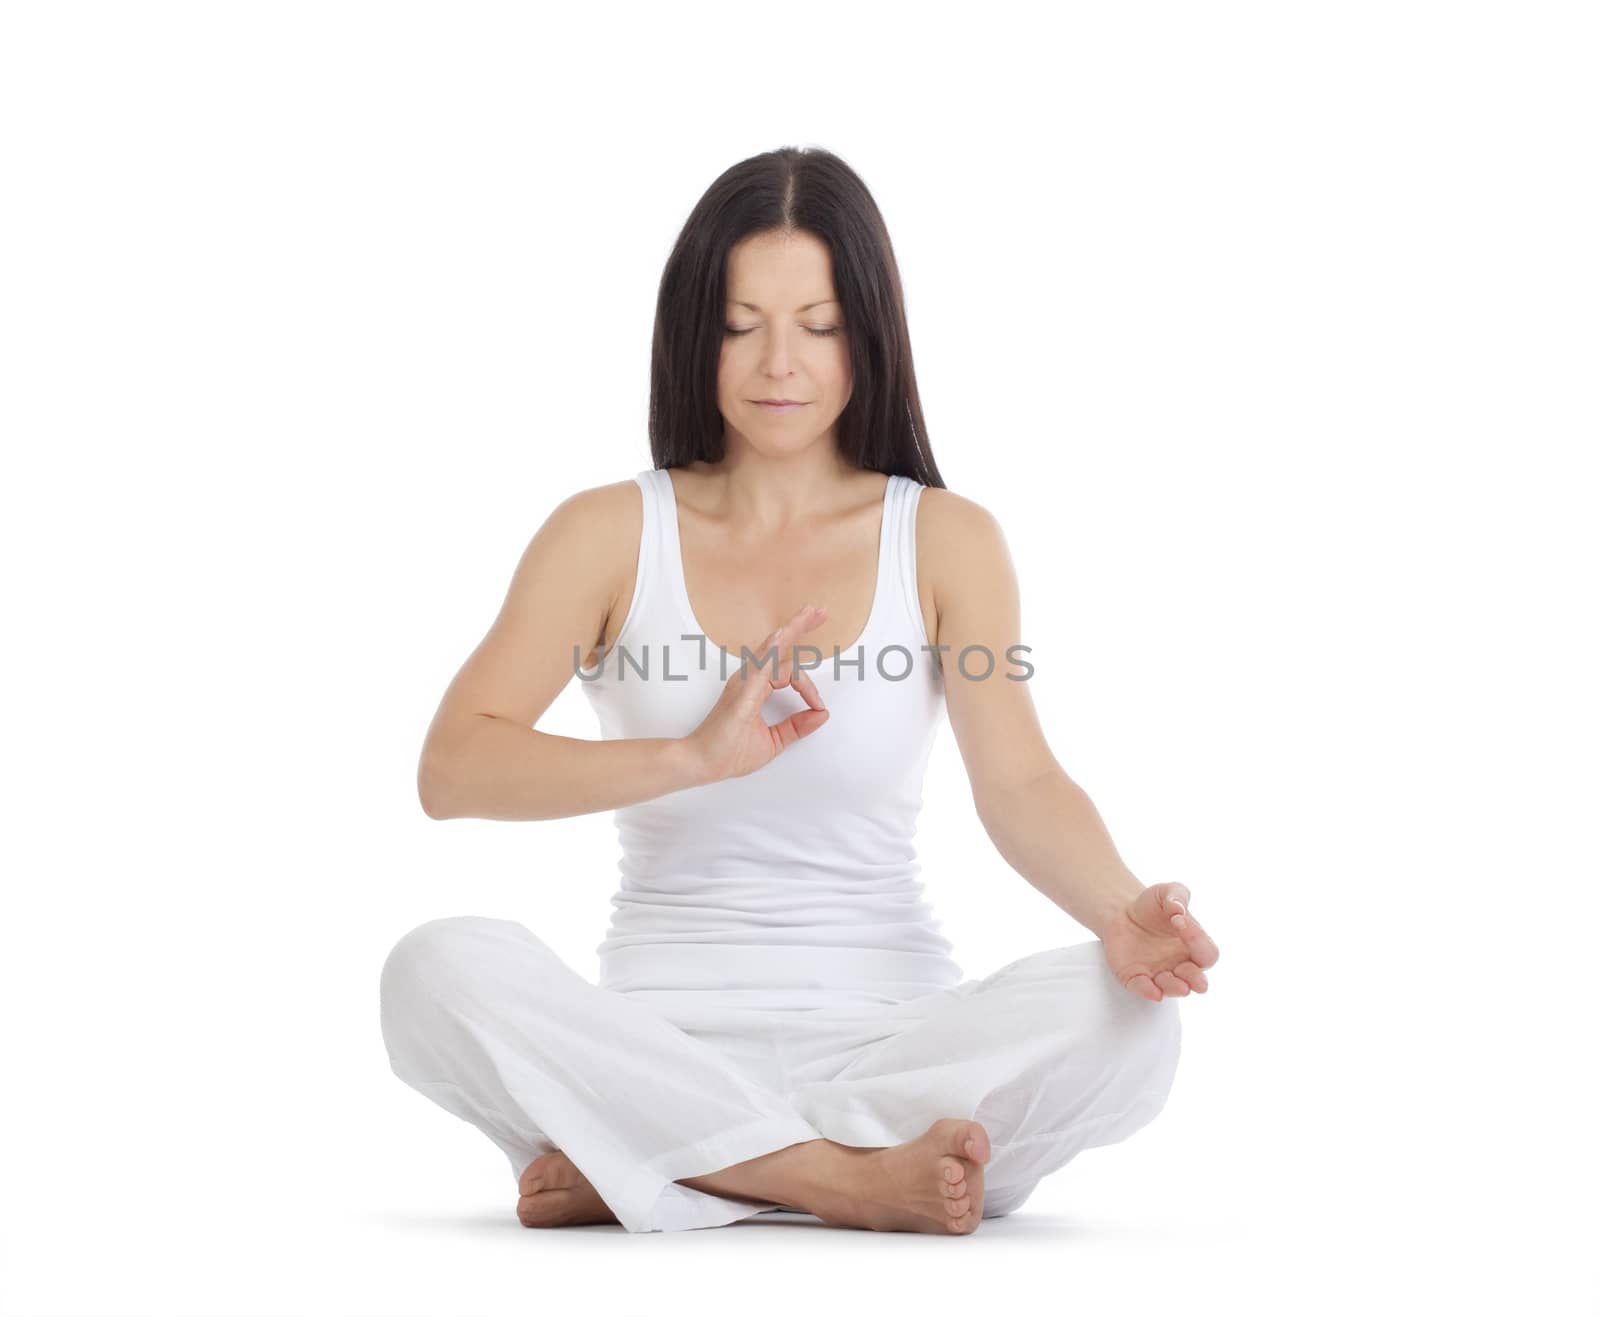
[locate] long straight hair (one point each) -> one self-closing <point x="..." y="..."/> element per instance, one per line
<point x="788" y="190"/>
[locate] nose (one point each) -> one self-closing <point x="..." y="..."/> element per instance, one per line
<point x="775" y="356"/>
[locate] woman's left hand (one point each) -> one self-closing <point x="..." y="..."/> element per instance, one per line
<point x="1155" y="946"/>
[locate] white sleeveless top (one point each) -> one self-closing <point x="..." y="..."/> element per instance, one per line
<point x="797" y="885"/>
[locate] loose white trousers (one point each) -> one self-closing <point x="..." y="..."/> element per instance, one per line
<point x="1050" y="1054"/>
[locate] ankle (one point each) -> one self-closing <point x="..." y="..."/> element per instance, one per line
<point x="833" y="1176"/>
<point x="810" y="1177"/>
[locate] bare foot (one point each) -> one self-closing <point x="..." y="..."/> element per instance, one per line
<point x="932" y="1184"/>
<point x="556" y="1193"/>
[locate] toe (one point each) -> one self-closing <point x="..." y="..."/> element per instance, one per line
<point x="975" y="1143"/>
<point x="964" y="1138"/>
<point x="553" y="1207"/>
<point x="532" y="1179"/>
<point x="532" y="1209"/>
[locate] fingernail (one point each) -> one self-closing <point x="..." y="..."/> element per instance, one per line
<point x="970" y="1145"/>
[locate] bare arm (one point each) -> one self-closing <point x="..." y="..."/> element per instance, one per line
<point x="1042" y="822"/>
<point x="483" y="757"/>
<point x="499" y="769"/>
<point x="1050" y="832"/>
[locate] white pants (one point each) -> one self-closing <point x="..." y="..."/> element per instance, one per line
<point x="640" y="1089"/>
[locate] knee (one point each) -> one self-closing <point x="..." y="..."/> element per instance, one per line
<point x="442" y="955"/>
<point x="1149" y="1034"/>
<point x="1155" y="1047"/>
<point x="1076" y="988"/>
<point x="1082" y="977"/>
<point x="1144" y="1037"/>
<point x="1135" y="1047"/>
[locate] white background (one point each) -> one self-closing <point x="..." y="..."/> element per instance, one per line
<point x="1268" y="333"/>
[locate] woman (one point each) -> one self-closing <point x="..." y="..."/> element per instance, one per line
<point x="778" y="1023"/>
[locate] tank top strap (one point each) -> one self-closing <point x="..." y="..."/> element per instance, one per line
<point x="651" y="533"/>
<point x="654" y="571"/>
<point x="901" y="554"/>
<point x="646" y="576"/>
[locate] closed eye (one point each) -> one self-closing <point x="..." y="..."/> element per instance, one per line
<point x="815" y="333"/>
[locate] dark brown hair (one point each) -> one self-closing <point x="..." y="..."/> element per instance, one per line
<point x="790" y="189"/>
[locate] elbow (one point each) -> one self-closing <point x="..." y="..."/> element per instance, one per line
<point x="431" y="788"/>
<point x="440" y="779"/>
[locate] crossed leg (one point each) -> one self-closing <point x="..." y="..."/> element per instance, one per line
<point x="1045" y="1057"/>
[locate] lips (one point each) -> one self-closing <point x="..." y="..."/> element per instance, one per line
<point x="779" y="402"/>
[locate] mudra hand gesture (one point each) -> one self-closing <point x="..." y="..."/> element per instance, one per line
<point x="1155" y="946"/>
<point x="734" y="738"/>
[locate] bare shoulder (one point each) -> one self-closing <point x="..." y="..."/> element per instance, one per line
<point x="948" y="516"/>
<point x="600" y="528"/>
<point x="558" y="604"/>
<point x="961" y="551"/>
<point x="600" y="509"/>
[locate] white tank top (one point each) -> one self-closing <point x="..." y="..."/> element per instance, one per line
<point x="796" y="885"/>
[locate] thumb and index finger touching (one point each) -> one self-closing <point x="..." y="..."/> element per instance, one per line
<point x="1172" y="899"/>
<point x="783" y="671"/>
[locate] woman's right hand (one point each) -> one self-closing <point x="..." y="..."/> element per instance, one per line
<point x="734" y="738"/>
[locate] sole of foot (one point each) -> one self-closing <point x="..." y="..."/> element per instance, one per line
<point x="932" y="1184"/>
<point x="554" y="1192"/>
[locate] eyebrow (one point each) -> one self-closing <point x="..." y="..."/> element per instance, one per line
<point x="752" y="306"/>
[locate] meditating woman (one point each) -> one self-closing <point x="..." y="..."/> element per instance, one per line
<point x="770" y="622"/>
